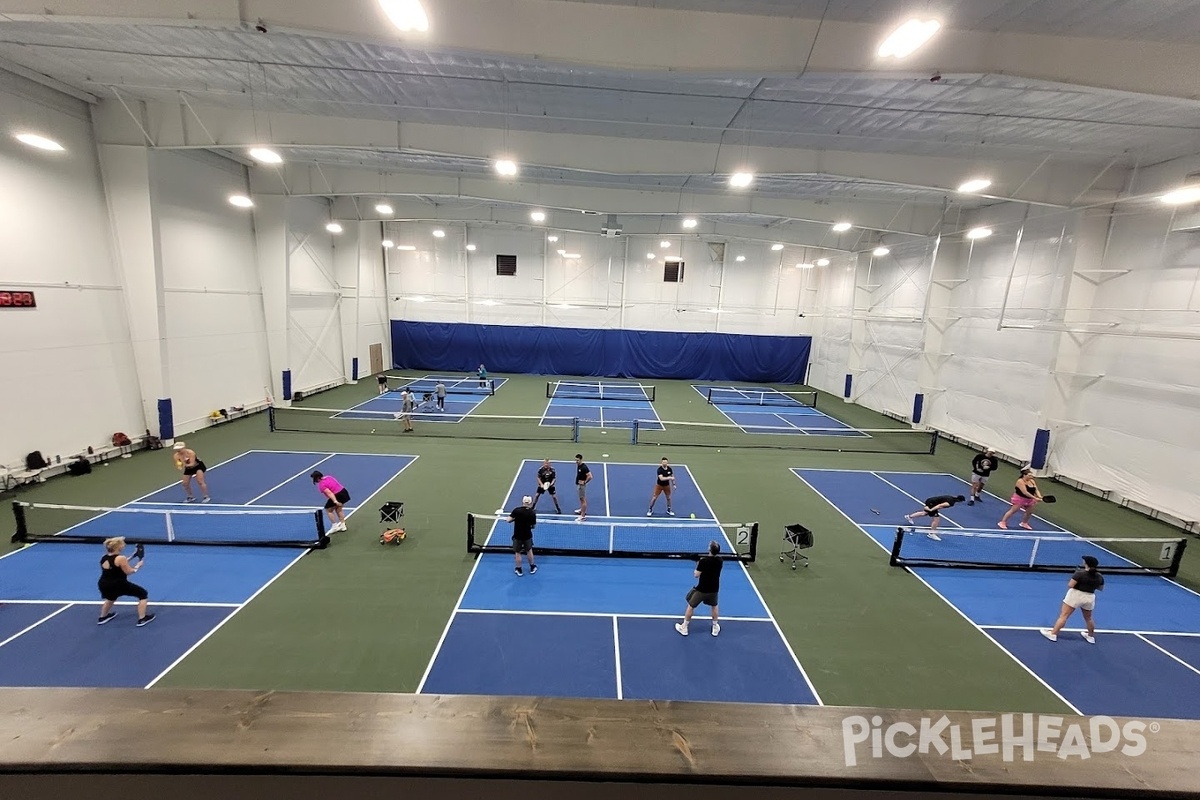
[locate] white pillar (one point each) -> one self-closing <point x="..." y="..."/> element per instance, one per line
<point x="270" y="232"/>
<point x="348" y="270"/>
<point x="127" y="173"/>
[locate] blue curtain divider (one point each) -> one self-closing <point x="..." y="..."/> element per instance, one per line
<point x="462" y="347"/>
<point x="287" y="384"/>
<point x="918" y="408"/>
<point x="1041" y="448"/>
<point x="166" y="419"/>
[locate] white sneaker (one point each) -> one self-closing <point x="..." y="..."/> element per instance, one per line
<point x="716" y="628"/>
<point x="1050" y="636"/>
<point x="1088" y="638"/>
<point x="578" y="510"/>
<point x="679" y="626"/>
<point x="934" y="536"/>
<point x="580" y="518"/>
<point x="649" y="513"/>
<point x="338" y="527"/>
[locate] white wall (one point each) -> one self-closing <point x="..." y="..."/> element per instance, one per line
<point x="315" y="298"/>
<point x="215" y="325"/>
<point x="611" y="283"/>
<point x="70" y="380"/>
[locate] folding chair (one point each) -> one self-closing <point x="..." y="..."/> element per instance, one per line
<point x="799" y="538"/>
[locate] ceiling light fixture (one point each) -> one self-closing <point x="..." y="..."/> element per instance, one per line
<point x="40" y="142"/>
<point x="908" y="38"/>
<point x="740" y="258"/>
<point x="388" y="244"/>
<point x="777" y="247"/>
<point x="741" y="180"/>
<point x="506" y="167"/>
<point x="842" y="227"/>
<point x="974" y="185"/>
<point x="384" y="208"/>
<point x="334" y="227"/>
<point x="406" y="247"/>
<point x="471" y="248"/>
<point x="804" y="266"/>
<point x="1188" y="194"/>
<point x="551" y="238"/>
<point x="265" y="155"/>
<point x="979" y="233"/>
<point x="562" y="252"/>
<point x="880" y="251"/>
<point x="538" y="216"/>
<point x="572" y="255"/>
<point x="664" y="244"/>
<point x="822" y="262"/>
<point x="649" y="255"/>
<point x="689" y="223"/>
<point x="406" y="15"/>
<point x="241" y="201"/>
<point x="439" y="234"/>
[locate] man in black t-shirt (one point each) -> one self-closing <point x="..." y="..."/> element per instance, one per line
<point x="932" y="509"/>
<point x="545" y="480"/>
<point x="524" y="520"/>
<point x="708" y="585"/>
<point x="663" y="484"/>
<point x="583" y="474"/>
<point x="981" y="468"/>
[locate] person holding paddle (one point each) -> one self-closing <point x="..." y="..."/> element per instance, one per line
<point x="1025" y="496"/>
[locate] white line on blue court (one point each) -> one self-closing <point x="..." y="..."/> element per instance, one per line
<point x="1168" y="654"/>
<point x="915" y="574"/>
<point x="622" y="615"/>
<point x="458" y="603"/>
<point x="1128" y="631"/>
<point x="165" y="603"/>
<point x="277" y="576"/>
<point x="761" y="600"/>
<point x="21" y="633"/>
<point x="617" y="653"/>
<point x="290" y="479"/>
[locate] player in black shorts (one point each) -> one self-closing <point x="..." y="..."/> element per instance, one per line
<point x="664" y="484"/>
<point x="382" y="378"/>
<point x="981" y="469"/>
<point x="583" y="474"/>
<point x="545" y="480"/>
<point x="192" y="467"/>
<point x="932" y="509"/>
<point x="114" y="583"/>
<point x="708" y="585"/>
<point x="524" y="520"/>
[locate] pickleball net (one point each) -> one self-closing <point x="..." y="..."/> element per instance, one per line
<point x="785" y="436"/>
<point x="70" y="524"/>
<point x="454" y="384"/>
<point x="599" y="390"/>
<point x="684" y="538"/>
<point x="732" y="396"/>
<point x="1042" y="552"/>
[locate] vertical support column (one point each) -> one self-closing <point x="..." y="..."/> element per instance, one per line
<point x="347" y="270"/>
<point x="128" y="175"/>
<point x="860" y="306"/>
<point x="1063" y="379"/>
<point x="947" y="269"/>
<point x="270" y="232"/>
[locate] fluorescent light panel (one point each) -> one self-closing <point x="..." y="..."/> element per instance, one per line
<point x="974" y="185"/>
<point x="406" y="15"/>
<point x="241" y="201"/>
<point x="265" y="155"/>
<point x="908" y="38"/>
<point x="40" y="142"/>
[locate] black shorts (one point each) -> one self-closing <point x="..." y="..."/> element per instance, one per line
<point x="343" y="497"/>
<point x="522" y="546"/>
<point x="197" y="467"/>
<point x="695" y="597"/>
<point x="933" y="512"/>
<point x="111" y="590"/>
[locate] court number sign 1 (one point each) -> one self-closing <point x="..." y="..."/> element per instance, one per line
<point x="743" y="535"/>
<point x="17" y="298"/>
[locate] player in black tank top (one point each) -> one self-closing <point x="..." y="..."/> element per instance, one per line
<point x="114" y="582"/>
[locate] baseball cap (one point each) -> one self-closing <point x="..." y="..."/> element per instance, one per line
<point x="526" y="500"/>
<point x="1091" y="561"/>
<point x="179" y="446"/>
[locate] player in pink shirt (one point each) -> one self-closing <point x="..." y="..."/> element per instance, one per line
<point x="336" y="496"/>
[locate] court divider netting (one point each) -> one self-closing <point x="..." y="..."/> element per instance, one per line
<point x="909" y="441"/>
<point x="599" y="390"/>
<point x="363" y="422"/>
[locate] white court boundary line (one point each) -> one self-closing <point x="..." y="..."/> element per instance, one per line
<point x="1169" y="654"/>
<point x="26" y="630"/>
<point x="809" y="411"/>
<point x="458" y="603"/>
<point x="169" y="603"/>
<point x="622" y="615"/>
<point x="617" y="657"/>
<point x="754" y="586"/>
<point x="1123" y="631"/>
<point x="956" y="609"/>
<point x="277" y="576"/>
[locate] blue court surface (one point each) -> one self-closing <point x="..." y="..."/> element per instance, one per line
<point x="1146" y="660"/>
<point x="771" y="412"/>
<point x="463" y="396"/>
<point x="618" y="406"/>
<point x="49" y="605"/>
<point x="604" y="627"/>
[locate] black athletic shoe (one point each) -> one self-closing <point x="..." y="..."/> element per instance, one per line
<point x="533" y="569"/>
<point x="106" y="618"/>
<point x="146" y="620"/>
<point x="518" y="572"/>
<point x="971" y="502"/>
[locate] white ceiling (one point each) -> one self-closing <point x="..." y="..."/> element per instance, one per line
<point x="288" y="84"/>
<point x="1157" y="20"/>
